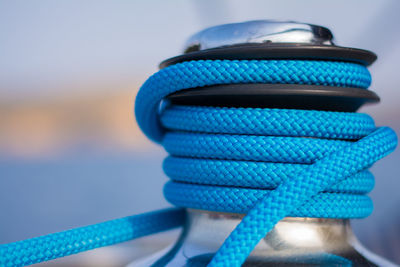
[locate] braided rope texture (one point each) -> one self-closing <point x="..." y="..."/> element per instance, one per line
<point x="268" y="163"/>
<point x="233" y="172"/>
<point x="200" y="73"/>
<point x="69" y="242"/>
<point x="299" y="189"/>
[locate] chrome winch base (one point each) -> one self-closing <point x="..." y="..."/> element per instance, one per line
<point x="292" y="242"/>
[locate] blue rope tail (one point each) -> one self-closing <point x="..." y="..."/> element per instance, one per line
<point x="265" y="163"/>
<point x="69" y="242"/>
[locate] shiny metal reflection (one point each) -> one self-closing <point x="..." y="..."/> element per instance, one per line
<point x="258" y="32"/>
<point x="292" y="242"/>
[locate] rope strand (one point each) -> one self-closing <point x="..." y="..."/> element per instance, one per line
<point x="81" y="239"/>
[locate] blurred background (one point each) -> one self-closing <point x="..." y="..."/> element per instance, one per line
<point x="71" y="153"/>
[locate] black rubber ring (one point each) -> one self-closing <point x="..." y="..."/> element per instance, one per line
<point x="278" y="51"/>
<point x="290" y="96"/>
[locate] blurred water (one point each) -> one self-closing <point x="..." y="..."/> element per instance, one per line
<point x="40" y="197"/>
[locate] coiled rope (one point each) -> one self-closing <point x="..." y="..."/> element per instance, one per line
<point x="267" y="163"/>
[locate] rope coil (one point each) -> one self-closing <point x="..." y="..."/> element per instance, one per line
<point x="268" y="163"/>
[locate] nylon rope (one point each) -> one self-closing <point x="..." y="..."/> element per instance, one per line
<point x="265" y="163"/>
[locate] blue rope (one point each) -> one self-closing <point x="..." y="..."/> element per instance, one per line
<point x="69" y="242"/>
<point x="257" y="161"/>
<point x="200" y="73"/>
<point x="266" y="163"/>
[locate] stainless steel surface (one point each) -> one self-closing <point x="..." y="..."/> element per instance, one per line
<point x="258" y="31"/>
<point x="292" y="242"/>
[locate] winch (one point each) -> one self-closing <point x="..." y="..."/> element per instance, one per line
<point x="268" y="159"/>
